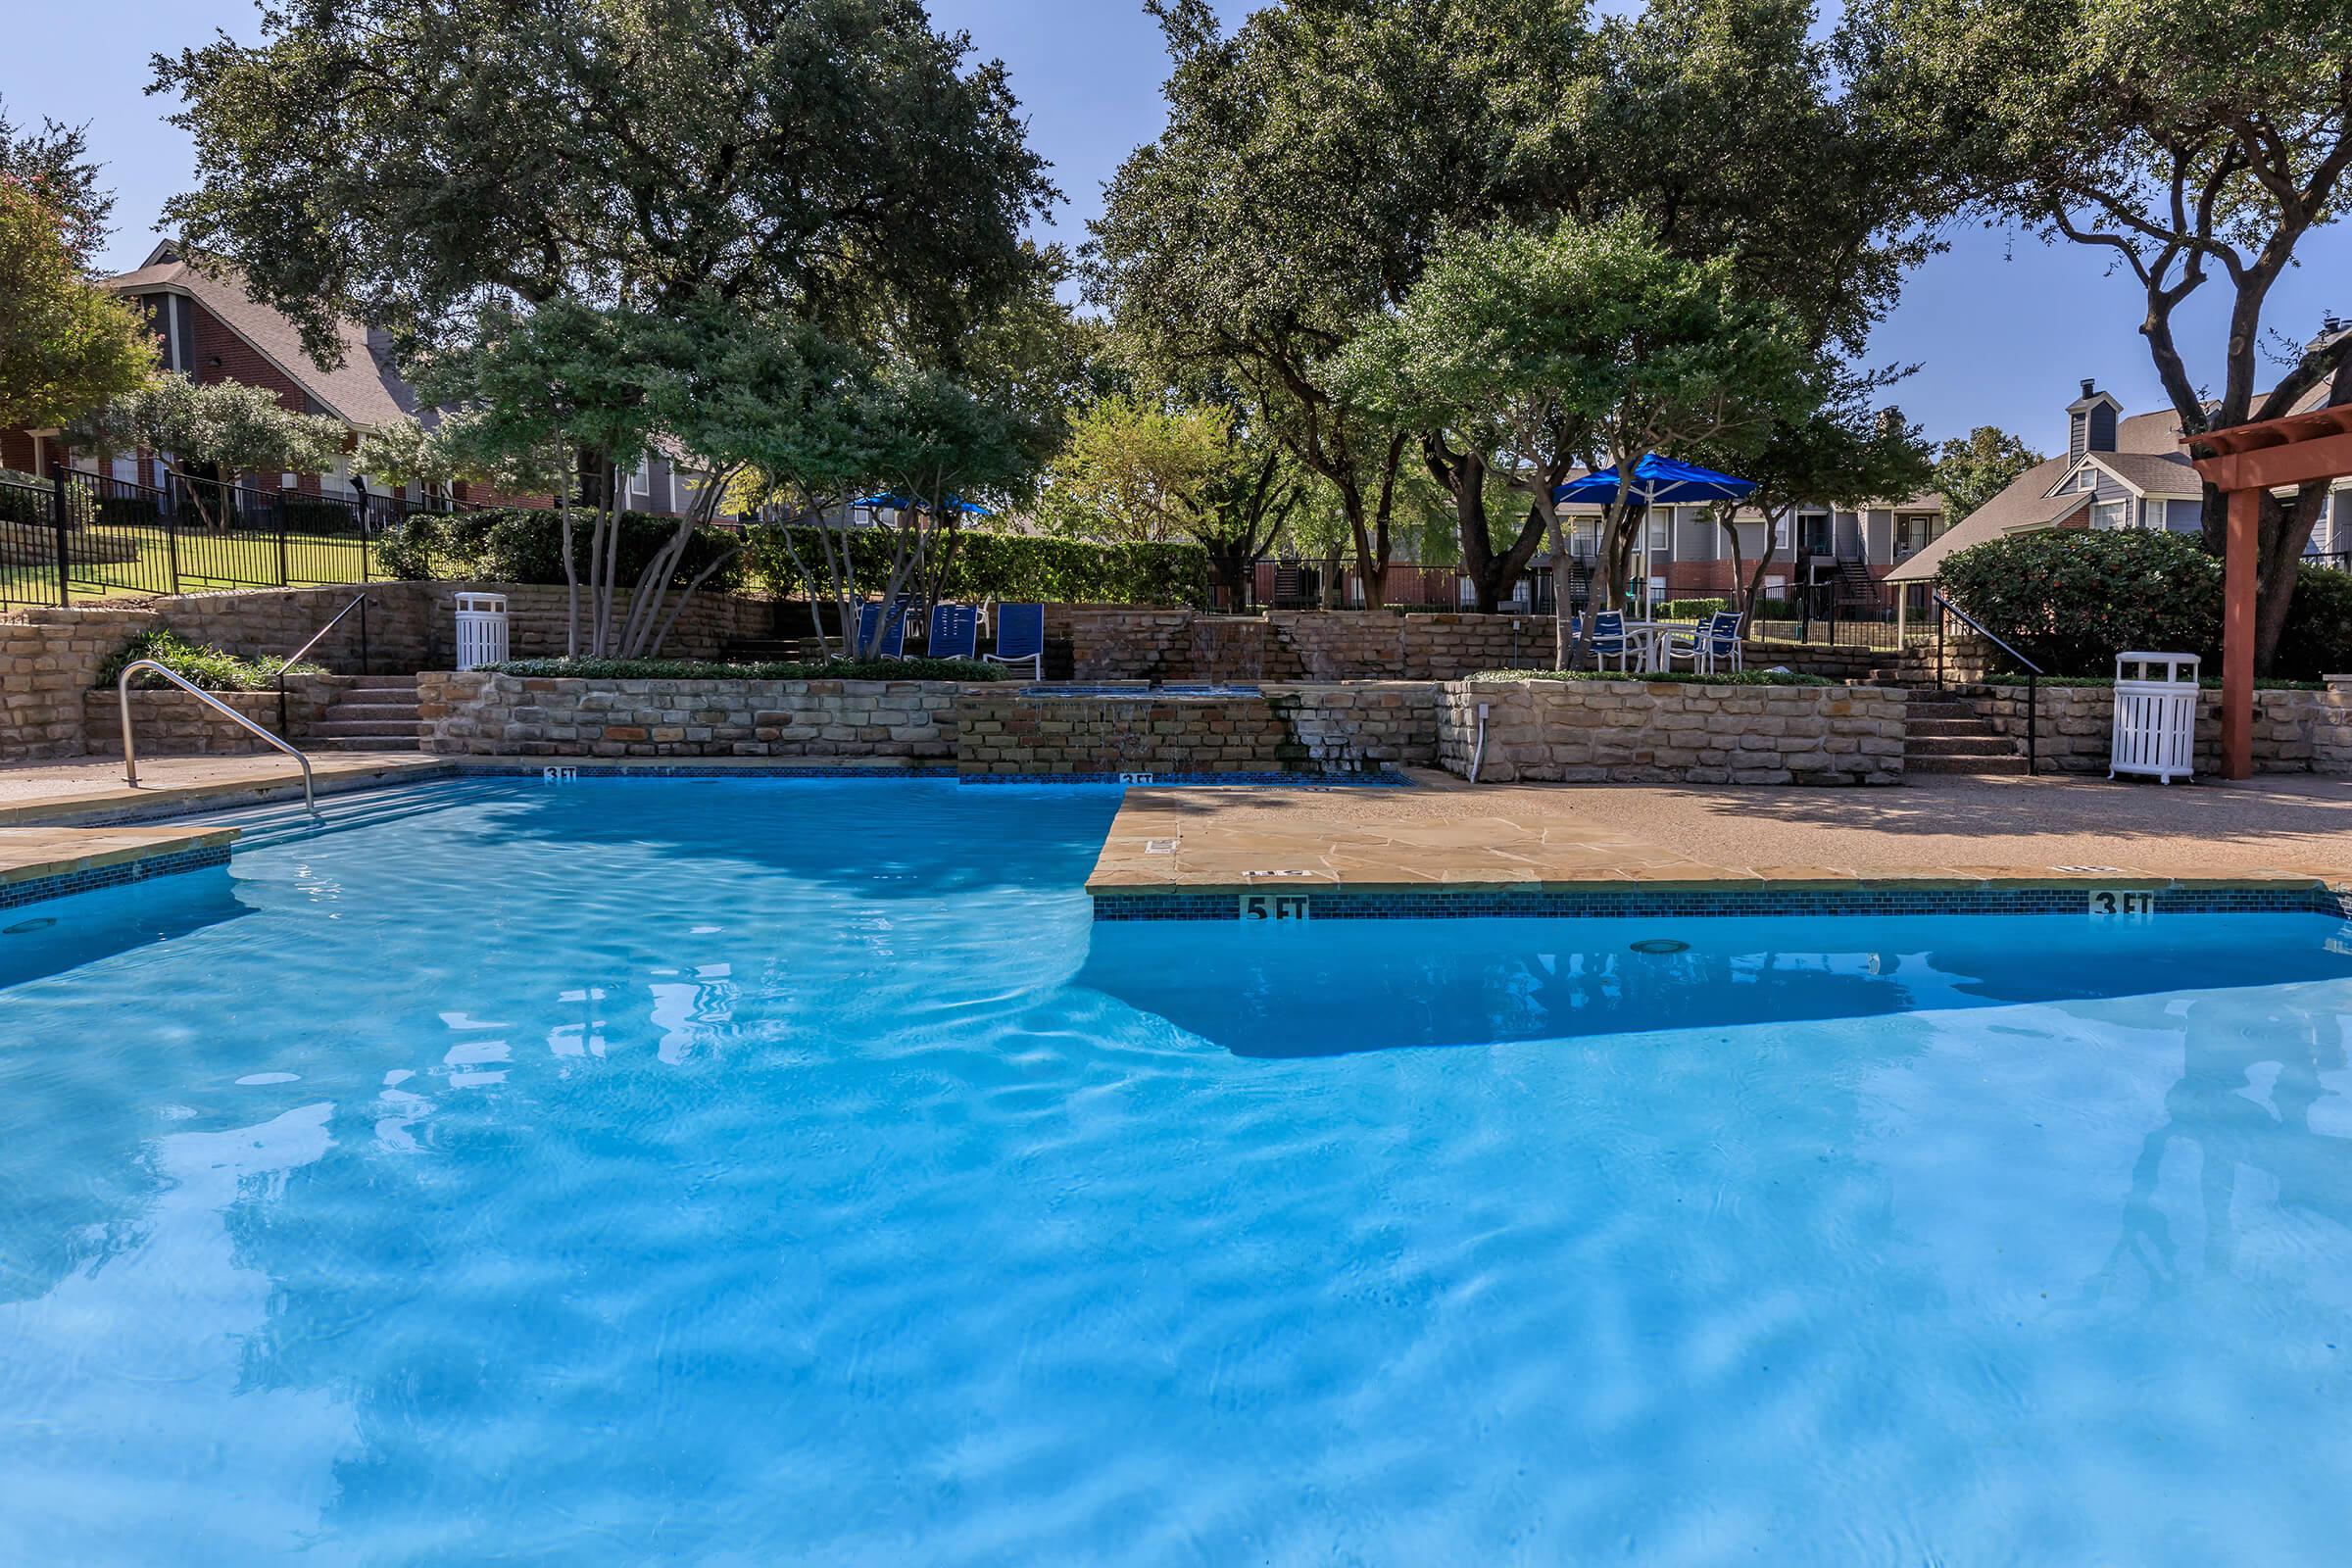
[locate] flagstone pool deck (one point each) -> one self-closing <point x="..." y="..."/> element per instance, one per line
<point x="74" y="818"/>
<point x="1935" y="833"/>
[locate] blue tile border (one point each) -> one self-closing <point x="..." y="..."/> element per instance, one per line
<point x="654" y="767"/>
<point x="1706" y="904"/>
<point x="1381" y="779"/>
<point x="39" y="890"/>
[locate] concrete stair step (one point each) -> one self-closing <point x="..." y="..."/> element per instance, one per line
<point x="1951" y="726"/>
<point x="1918" y="711"/>
<point x="1965" y="765"/>
<point x="343" y="711"/>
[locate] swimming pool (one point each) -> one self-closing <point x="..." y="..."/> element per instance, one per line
<point x="745" y="1172"/>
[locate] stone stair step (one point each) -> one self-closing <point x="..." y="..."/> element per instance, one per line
<point x="1964" y="765"/>
<point x="1942" y="711"/>
<point x="361" y="743"/>
<point x="1958" y="746"/>
<point x="1951" y="726"/>
<point x="342" y="711"/>
<point x="331" y="728"/>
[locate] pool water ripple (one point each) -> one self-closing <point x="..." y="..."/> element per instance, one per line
<point x="736" y="1172"/>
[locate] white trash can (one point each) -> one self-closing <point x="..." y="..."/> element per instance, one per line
<point x="2155" y="715"/>
<point x="481" y="630"/>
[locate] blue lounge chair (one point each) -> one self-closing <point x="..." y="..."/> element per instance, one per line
<point x="894" y="636"/>
<point x="1021" y="638"/>
<point x="955" y="632"/>
<point x="1611" y="640"/>
<point x="1712" y="645"/>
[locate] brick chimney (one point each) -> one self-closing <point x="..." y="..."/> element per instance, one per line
<point x="2091" y="421"/>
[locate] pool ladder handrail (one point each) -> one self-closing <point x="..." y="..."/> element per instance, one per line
<point x="130" y="755"/>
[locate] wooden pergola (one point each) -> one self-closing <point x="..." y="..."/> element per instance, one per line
<point x="2247" y="461"/>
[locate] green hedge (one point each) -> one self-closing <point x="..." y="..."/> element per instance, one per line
<point x="2071" y="600"/>
<point x="210" y="667"/>
<point x="1006" y="566"/>
<point x="1690" y="608"/>
<point x="1728" y="678"/>
<point x="701" y="670"/>
<point x="526" y="545"/>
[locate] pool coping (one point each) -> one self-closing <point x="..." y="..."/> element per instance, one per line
<point x="93" y="841"/>
<point x="37" y="864"/>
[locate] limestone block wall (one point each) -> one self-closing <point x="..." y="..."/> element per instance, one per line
<point x="413" y="625"/>
<point x="2074" y="732"/>
<point x="1358" y="726"/>
<point x="998" y="730"/>
<point x="2331" y="728"/>
<point x="1638" y="732"/>
<point x="1292" y="645"/>
<point x="511" y="715"/>
<point x="172" y="723"/>
<point x="48" y="661"/>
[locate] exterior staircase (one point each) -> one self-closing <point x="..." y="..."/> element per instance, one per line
<point x="379" y="715"/>
<point x="1948" y="736"/>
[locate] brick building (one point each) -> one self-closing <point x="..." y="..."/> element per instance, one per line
<point x="210" y="330"/>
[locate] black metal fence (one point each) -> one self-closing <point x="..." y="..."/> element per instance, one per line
<point x="90" y="535"/>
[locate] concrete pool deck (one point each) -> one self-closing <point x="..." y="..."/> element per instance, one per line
<point x="1935" y="833"/>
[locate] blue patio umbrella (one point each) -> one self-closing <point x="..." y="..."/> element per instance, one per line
<point x="1657" y="482"/>
<point x="901" y="503"/>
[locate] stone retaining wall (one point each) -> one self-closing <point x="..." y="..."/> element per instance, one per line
<point x="998" y="730"/>
<point x="172" y="723"/>
<point x="2292" y="729"/>
<point x="49" y="659"/>
<point x="1358" y="726"/>
<point x="512" y="715"/>
<point x="1299" y="645"/>
<point x="413" y="625"/>
<point x="2331" y="728"/>
<point x="1639" y="732"/>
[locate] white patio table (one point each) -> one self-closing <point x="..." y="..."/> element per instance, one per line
<point x="1650" y="636"/>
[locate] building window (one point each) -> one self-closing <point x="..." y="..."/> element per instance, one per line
<point x="2111" y="515"/>
<point x="2087" y="480"/>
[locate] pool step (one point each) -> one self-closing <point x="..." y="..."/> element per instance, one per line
<point x="380" y="715"/>
<point x="1949" y="736"/>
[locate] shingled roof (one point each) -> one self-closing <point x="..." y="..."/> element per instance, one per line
<point x="363" y="391"/>
<point x="2141" y="443"/>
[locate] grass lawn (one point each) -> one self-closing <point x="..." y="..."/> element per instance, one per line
<point x="205" y="560"/>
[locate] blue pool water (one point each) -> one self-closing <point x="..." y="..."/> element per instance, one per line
<point x="747" y="1173"/>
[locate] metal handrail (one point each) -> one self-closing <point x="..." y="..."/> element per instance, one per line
<point x="295" y="657"/>
<point x="2034" y="674"/>
<point x="130" y="755"/>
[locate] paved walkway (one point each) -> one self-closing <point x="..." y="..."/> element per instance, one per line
<point x="1944" y="831"/>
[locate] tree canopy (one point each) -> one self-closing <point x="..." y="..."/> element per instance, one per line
<point x="66" y="346"/>
<point x="55" y="165"/>
<point x="403" y="161"/>
<point x="1319" y="157"/>
<point x="1972" y="469"/>
<point x="2193" y="146"/>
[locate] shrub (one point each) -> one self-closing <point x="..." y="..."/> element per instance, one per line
<point x="1005" y="566"/>
<point x="2316" y="639"/>
<point x="213" y="669"/>
<point x="701" y="670"/>
<point x="1728" y="678"/>
<point x="2072" y="600"/>
<point x="1690" y="608"/>
<point x="526" y="546"/>
<point x="2210" y="684"/>
<point x="316" y="514"/>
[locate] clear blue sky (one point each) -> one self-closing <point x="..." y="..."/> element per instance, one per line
<point x="2003" y="328"/>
